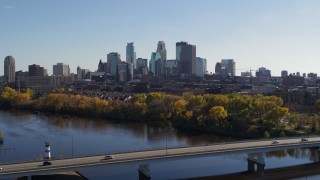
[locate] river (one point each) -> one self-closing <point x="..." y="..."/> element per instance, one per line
<point x="25" y="133"/>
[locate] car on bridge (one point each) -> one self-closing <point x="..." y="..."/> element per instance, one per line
<point x="304" y="139"/>
<point x="107" y="157"/>
<point x="47" y="163"/>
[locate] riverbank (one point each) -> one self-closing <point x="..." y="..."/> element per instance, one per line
<point x="239" y="114"/>
<point x="274" y="174"/>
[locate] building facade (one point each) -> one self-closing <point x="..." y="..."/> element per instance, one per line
<point x="153" y="65"/>
<point x="201" y="67"/>
<point x="82" y="73"/>
<point x="113" y="59"/>
<point x="61" y="69"/>
<point x="172" y="67"/>
<point x="178" y="49"/>
<point x="160" y="62"/>
<point x="284" y="73"/>
<point x="263" y="72"/>
<point x="9" y="69"/>
<point x="131" y="54"/>
<point x="123" y="72"/>
<point x="36" y="70"/>
<point x="228" y="68"/>
<point x="187" y="59"/>
<point x="142" y="66"/>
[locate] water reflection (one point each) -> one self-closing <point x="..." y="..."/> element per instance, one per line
<point x="302" y="153"/>
<point x="73" y="135"/>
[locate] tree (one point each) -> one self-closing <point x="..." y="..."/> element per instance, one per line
<point x="22" y="99"/>
<point x="8" y="96"/>
<point x="266" y="135"/>
<point x="179" y="107"/>
<point x="217" y="115"/>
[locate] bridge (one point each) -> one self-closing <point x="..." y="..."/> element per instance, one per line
<point x="253" y="148"/>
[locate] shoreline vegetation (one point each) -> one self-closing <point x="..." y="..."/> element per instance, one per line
<point x="254" y="116"/>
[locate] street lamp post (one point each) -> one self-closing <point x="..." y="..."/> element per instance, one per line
<point x="166" y="137"/>
<point x="72" y="147"/>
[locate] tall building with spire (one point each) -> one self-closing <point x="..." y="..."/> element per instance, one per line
<point x="9" y="69"/>
<point x="160" y="63"/>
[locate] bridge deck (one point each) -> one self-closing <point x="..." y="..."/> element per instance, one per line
<point x="216" y="149"/>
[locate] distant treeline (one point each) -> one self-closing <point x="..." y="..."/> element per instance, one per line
<point x="247" y="115"/>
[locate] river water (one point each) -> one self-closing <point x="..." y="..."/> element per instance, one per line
<point x="25" y="133"/>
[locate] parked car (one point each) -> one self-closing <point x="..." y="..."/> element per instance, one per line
<point x="275" y="142"/>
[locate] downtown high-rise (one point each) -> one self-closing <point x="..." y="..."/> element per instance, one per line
<point x="131" y="55"/>
<point x="9" y="69"/>
<point x="113" y="59"/>
<point x="61" y="69"/>
<point x="186" y="55"/>
<point x="160" y="63"/>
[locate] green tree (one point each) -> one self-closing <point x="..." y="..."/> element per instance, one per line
<point x="266" y="135"/>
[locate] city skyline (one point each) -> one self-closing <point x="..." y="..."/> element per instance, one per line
<point x="277" y="35"/>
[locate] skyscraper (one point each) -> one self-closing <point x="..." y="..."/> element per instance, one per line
<point x="152" y="63"/>
<point x="82" y="73"/>
<point x="100" y="66"/>
<point x="61" y="69"/>
<point x="201" y="66"/>
<point x="36" y="70"/>
<point x="142" y="66"/>
<point x="103" y="67"/>
<point x="217" y="69"/>
<point x="131" y="55"/>
<point x="161" y="48"/>
<point x="263" y="72"/>
<point x="9" y="69"/>
<point x="187" y="58"/>
<point x="171" y="67"/>
<point x="160" y="63"/>
<point x="113" y="59"/>
<point x="178" y="49"/>
<point x="123" y="72"/>
<point x="228" y="68"/>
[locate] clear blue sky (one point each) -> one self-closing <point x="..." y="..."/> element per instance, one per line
<point x="276" y="34"/>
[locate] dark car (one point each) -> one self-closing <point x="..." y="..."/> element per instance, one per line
<point x="304" y="139"/>
<point x="106" y="157"/>
<point x="47" y="163"/>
